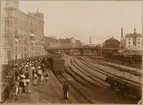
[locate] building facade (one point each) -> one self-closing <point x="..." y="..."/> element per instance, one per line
<point x="133" y="41"/>
<point x="65" y="43"/>
<point x="51" y="42"/>
<point x="62" y="43"/>
<point x="78" y="43"/>
<point x="23" y="33"/>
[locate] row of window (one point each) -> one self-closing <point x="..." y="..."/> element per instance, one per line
<point x="135" y="43"/>
<point x="21" y="56"/>
<point x="20" y="25"/>
<point x="20" y="49"/>
<point x="26" y="55"/>
<point x="16" y="14"/>
<point x="23" y="22"/>
<point x="22" y="16"/>
<point x="135" y="39"/>
<point x="9" y="32"/>
<point x="139" y="46"/>
<point x="23" y="41"/>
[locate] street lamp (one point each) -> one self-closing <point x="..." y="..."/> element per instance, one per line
<point x="32" y="40"/>
<point x="16" y="40"/>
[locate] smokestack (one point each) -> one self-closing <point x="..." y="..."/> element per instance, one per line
<point x="121" y="31"/>
<point x="90" y="40"/>
<point x="122" y="40"/>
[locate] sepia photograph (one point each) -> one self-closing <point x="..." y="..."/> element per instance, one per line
<point x="71" y="52"/>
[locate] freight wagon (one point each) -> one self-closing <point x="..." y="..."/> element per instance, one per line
<point x="57" y="65"/>
<point x="124" y="86"/>
<point x="130" y="58"/>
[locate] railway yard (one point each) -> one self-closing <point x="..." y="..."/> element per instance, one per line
<point x="71" y="52"/>
<point x="90" y="81"/>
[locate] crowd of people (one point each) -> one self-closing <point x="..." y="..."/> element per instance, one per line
<point x="33" y="72"/>
<point x="30" y="73"/>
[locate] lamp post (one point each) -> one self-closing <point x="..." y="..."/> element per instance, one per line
<point x="16" y="40"/>
<point x="32" y="41"/>
<point x="43" y="45"/>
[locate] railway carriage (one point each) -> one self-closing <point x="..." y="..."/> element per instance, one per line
<point x="130" y="58"/>
<point x="57" y="64"/>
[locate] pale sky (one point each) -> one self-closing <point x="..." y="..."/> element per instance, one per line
<point x="81" y="19"/>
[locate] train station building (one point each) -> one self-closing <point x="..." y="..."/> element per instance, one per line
<point x="22" y="33"/>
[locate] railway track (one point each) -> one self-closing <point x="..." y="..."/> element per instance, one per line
<point x="83" y="76"/>
<point x="114" y="66"/>
<point x="134" y="86"/>
<point x="90" y="76"/>
<point x="55" y="87"/>
<point x="74" y="87"/>
<point x="90" y="64"/>
<point x="86" y="89"/>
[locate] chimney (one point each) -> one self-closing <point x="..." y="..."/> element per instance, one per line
<point x="121" y="31"/>
<point x="122" y="40"/>
<point x="90" y="40"/>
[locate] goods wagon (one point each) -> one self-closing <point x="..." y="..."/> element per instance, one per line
<point x="57" y="65"/>
<point x="54" y="57"/>
<point x="125" y="86"/>
<point x="130" y="58"/>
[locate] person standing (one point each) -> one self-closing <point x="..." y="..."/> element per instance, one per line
<point x="46" y="77"/>
<point x="28" y="90"/>
<point x="39" y="73"/>
<point x="21" y="86"/>
<point x="35" y="76"/>
<point x="17" y="85"/>
<point x="65" y="89"/>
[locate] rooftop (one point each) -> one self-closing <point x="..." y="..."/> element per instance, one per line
<point x="134" y="34"/>
<point x="112" y="39"/>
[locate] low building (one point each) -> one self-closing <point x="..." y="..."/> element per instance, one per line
<point x="65" y="43"/>
<point x="111" y="43"/>
<point x="51" y="42"/>
<point x="62" y="43"/>
<point x="78" y="43"/>
<point x="72" y="42"/>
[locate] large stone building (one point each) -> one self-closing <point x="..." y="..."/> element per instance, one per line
<point x="22" y="33"/>
<point x="133" y="41"/>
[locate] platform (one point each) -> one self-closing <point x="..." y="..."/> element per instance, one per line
<point x="45" y="92"/>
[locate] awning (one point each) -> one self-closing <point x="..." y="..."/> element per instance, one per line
<point x="16" y="40"/>
<point x="32" y="35"/>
